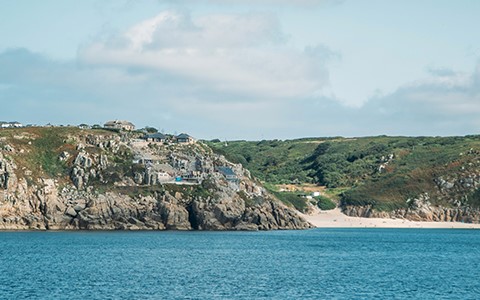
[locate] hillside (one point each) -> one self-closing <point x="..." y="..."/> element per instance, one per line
<point x="424" y="178"/>
<point x="69" y="178"/>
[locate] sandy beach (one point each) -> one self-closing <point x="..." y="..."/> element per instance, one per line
<point x="335" y="218"/>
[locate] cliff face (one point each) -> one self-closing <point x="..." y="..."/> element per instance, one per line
<point x="67" y="179"/>
<point x="421" y="209"/>
<point x="429" y="214"/>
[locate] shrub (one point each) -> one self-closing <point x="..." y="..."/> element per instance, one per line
<point x="46" y="154"/>
<point x="325" y="203"/>
<point x="292" y="199"/>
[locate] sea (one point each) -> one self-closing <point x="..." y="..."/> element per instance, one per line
<point x="306" y="264"/>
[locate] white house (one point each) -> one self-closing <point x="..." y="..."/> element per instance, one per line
<point x="10" y="124"/>
<point x="119" y="124"/>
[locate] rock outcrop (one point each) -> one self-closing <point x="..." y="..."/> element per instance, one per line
<point x="433" y="214"/>
<point x="458" y="192"/>
<point x="106" y="189"/>
<point x="419" y="209"/>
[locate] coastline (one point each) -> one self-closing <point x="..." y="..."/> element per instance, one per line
<point x="336" y="219"/>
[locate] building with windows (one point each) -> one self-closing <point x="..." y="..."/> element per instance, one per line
<point x="120" y="125"/>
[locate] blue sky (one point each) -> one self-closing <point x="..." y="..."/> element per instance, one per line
<point x="246" y="69"/>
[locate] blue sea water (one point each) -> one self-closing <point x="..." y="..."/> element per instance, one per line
<point x="311" y="264"/>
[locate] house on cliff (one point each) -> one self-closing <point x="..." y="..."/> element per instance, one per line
<point x="155" y="138"/>
<point x="184" y="138"/>
<point x="228" y="173"/>
<point x="10" y="124"/>
<point x="120" y="125"/>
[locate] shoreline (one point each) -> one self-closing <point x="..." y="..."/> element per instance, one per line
<point x="336" y="219"/>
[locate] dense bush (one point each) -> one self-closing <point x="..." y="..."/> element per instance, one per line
<point x="292" y="199"/>
<point x="325" y="203"/>
<point x="46" y="154"/>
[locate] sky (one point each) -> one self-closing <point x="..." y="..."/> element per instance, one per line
<point x="244" y="69"/>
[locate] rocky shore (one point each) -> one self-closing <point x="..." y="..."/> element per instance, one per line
<point x="420" y="209"/>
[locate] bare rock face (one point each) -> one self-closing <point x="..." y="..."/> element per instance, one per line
<point x="174" y="215"/>
<point x="7" y="174"/>
<point x="434" y="214"/>
<point x="235" y="215"/>
<point x="420" y="209"/>
<point x="73" y="209"/>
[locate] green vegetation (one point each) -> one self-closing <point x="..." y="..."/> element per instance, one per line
<point x="37" y="149"/>
<point x="151" y="129"/>
<point x="292" y="199"/>
<point x="122" y="165"/>
<point x="270" y="161"/>
<point x="382" y="172"/>
<point x="474" y="198"/>
<point x="379" y="171"/>
<point x="47" y="148"/>
<point x="325" y="203"/>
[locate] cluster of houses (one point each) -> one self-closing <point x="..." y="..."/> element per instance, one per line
<point x="180" y="168"/>
<point x="10" y="124"/>
<point x="157" y="137"/>
<point x="160" y="138"/>
<point x="177" y="167"/>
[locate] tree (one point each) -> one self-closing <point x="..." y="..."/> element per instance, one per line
<point x="151" y="129"/>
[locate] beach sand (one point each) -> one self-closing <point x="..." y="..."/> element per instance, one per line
<point x="335" y="218"/>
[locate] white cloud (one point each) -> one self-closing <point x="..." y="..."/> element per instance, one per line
<point x="446" y="91"/>
<point x="240" y="53"/>
<point x="177" y="30"/>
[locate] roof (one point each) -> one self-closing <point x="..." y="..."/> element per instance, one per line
<point x="157" y="135"/>
<point x="164" y="168"/>
<point x="148" y="156"/>
<point x="183" y="136"/>
<point x="226" y="171"/>
<point x="119" y="122"/>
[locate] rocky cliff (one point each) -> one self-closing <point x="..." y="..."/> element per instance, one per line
<point x="429" y="214"/>
<point x="456" y="191"/>
<point x="68" y="179"/>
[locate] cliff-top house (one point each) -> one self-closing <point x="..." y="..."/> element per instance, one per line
<point x="155" y="137"/>
<point x="10" y="124"/>
<point x="121" y="125"/>
<point x="184" y="138"/>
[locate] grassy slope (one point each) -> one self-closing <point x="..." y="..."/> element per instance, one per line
<point x="352" y="165"/>
<point x="37" y="149"/>
<point x="270" y="161"/>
